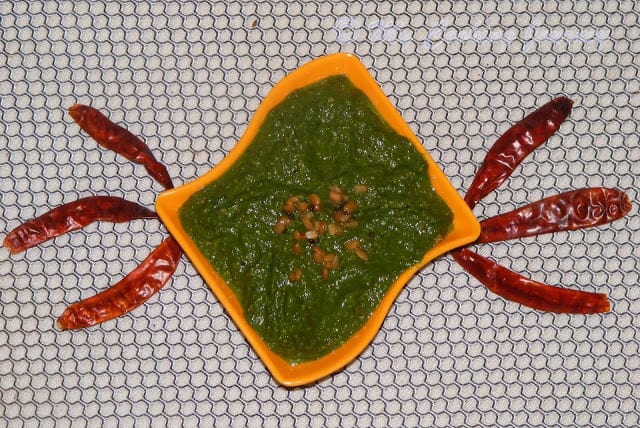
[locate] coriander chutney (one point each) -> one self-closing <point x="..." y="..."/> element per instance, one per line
<point x="317" y="218"/>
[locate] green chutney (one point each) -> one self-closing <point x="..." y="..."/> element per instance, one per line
<point x="327" y="135"/>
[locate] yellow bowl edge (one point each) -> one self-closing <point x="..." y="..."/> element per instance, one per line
<point x="466" y="227"/>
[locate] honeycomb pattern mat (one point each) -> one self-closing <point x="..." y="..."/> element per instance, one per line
<point x="187" y="77"/>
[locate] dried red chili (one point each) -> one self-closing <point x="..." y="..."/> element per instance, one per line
<point x="536" y="295"/>
<point x="132" y="291"/>
<point x="514" y="145"/>
<point x="567" y="211"/>
<point x="118" y="139"/>
<point x="73" y="216"/>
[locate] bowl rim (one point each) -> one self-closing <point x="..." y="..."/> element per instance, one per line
<point x="465" y="228"/>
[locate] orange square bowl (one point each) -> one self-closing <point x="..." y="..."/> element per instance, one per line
<point x="465" y="226"/>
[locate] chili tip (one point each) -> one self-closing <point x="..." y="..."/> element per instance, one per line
<point x="77" y="111"/>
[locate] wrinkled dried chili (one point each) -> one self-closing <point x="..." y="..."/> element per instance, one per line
<point x="132" y="291"/>
<point x="514" y="145"/>
<point x="118" y="139"/>
<point x="567" y="211"/>
<point x="73" y="216"/>
<point x="533" y="294"/>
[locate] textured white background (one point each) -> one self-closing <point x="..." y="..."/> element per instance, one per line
<point x="187" y="77"/>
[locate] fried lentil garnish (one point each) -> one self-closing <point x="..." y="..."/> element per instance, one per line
<point x="295" y="275"/>
<point x="307" y="220"/>
<point x="297" y="248"/>
<point x="360" y="189"/>
<point x="315" y="204"/>
<point x="300" y="211"/>
<point x="336" y="196"/>
<point x="281" y="224"/>
<point x="350" y="207"/>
